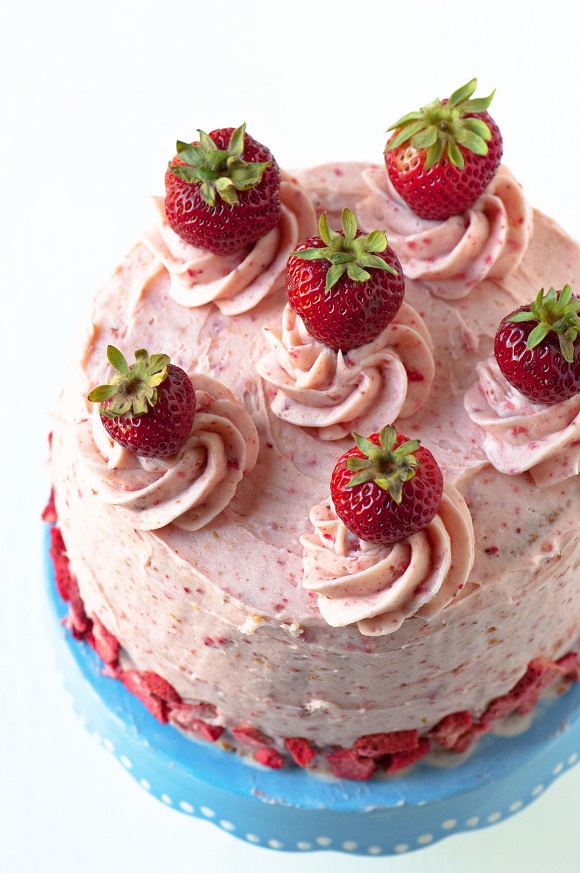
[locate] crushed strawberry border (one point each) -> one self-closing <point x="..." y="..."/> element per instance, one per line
<point x="387" y="752"/>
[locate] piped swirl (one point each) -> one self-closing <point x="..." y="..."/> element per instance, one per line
<point x="235" y="283"/>
<point x="522" y="435"/>
<point x="378" y="587"/>
<point x="187" y="489"/>
<point x="337" y="393"/>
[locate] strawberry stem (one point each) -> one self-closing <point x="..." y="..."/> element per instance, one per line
<point x="347" y="252"/>
<point x="387" y="467"/>
<point x="554" y="311"/>
<point x="133" y="390"/>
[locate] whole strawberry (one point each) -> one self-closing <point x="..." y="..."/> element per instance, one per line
<point x="537" y="347"/>
<point x="345" y="286"/>
<point x="442" y="158"/>
<point x="147" y="407"/>
<point x="223" y="192"/>
<point x="387" y="488"/>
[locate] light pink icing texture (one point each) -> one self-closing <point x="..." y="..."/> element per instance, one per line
<point x="189" y="488"/>
<point x="489" y="240"/>
<point x="235" y="283"/>
<point x="221" y="612"/>
<point x="521" y="435"/>
<point x="379" y="586"/>
<point x="361" y="390"/>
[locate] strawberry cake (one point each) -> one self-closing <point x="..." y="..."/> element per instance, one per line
<point x="221" y="579"/>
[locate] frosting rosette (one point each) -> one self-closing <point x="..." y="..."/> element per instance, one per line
<point x="487" y="241"/>
<point x="191" y="487"/>
<point x="235" y="283"/>
<point x="338" y="392"/>
<point x="522" y="435"/>
<point x="377" y="587"/>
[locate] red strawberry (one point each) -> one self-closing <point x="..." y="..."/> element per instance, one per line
<point x="537" y="347"/>
<point x="441" y="158"/>
<point x="345" y="286"/>
<point x="147" y="407"/>
<point x="347" y="764"/>
<point x="396" y="489"/>
<point x="223" y="192"/>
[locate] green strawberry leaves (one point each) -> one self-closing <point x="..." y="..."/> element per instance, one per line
<point x="442" y="127"/>
<point x="347" y="252"/>
<point x="554" y="311"/>
<point x="220" y="172"/>
<point x="387" y="467"/>
<point x="132" y="390"/>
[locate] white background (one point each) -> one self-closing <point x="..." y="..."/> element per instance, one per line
<point x="93" y="97"/>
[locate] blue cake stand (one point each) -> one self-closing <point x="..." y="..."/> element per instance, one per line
<point x="294" y="811"/>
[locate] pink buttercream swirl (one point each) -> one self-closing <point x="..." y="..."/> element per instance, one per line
<point x="489" y="240"/>
<point x="379" y="586"/>
<point x="189" y="488"/>
<point x="235" y="283"/>
<point x="337" y="393"/>
<point x="521" y="435"/>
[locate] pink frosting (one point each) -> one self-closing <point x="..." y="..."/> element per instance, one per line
<point x="337" y="393"/>
<point x="235" y="283"/>
<point x="521" y="435"/>
<point x="189" y="488"/>
<point x="379" y="586"/>
<point x="488" y="241"/>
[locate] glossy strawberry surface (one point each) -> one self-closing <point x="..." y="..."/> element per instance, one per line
<point x="444" y="190"/>
<point x="225" y="228"/>
<point x="541" y="374"/>
<point x="372" y="514"/>
<point x="351" y="313"/>
<point x="164" y="428"/>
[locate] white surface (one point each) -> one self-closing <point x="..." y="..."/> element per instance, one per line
<point x="93" y="97"/>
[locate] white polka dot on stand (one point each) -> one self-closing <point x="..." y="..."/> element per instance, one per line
<point x="472" y="822"/>
<point x="449" y="824"/>
<point x="304" y="847"/>
<point x="537" y="790"/>
<point x="108" y="745"/>
<point x="145" y="784"/>
<point x="424" y="839"/>
<point x="517" y="804"/>
<point x="186" y="807"/>
<point x="323" y="841"/>
<point x="573" y="758"/>
<point x="126" y="762"/>
<point x="166" y="799"/>
<point x="227" y="825"/>
<point x="374" y="850"/>
<point x="558" y="769"/>
<point x="275" y="844"/>
<point x="252" y="838"/>
<point x="401" y="847"/>
<point x="205" y="810"/>
<point x="349" y="846"/>
<point x="493" y="817"/>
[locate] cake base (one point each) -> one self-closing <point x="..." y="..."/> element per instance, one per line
<point x="296" y="811"/>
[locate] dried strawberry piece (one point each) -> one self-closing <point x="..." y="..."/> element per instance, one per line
<point x="49" y="511"/>
<point x="569" y="666"/>
<point x="209" y="732"/>
<point x="348" y="764"/>
<point x="300" y="749"/>
<point x="447" y="731"/>
<point x="269" y="758"/>
<point x="400" y="760"/>
<point x="525" y="694"/>
<point x="470" y="736"/>
<point x="251" y="736"/>
<point x="62" y="574"/>
<point x="104" y="643"/>
<point x="77" y="621"/>
<point x="377" y="745"/>
<point x="186" y="714"/>
<point x="142" y="685"/>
